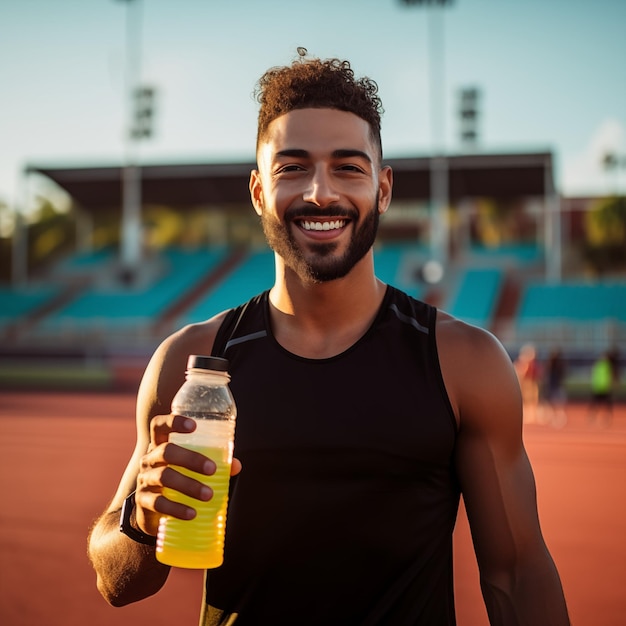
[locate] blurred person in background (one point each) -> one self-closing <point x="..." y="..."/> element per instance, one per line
<point x="528" y="374"/>
<point x="602" y="382"/>
<point x="614" y="357"/>
<point x="362" y="414"/>
<point x="555" y="392"/>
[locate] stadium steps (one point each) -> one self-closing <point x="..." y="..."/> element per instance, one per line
<point x="198" y="291"/>
<point x="476" y="295"/>
<point x="507" y="304"/>
<point x="253" y="275"/>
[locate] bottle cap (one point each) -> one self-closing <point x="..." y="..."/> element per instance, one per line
<point x="216" y="363"/>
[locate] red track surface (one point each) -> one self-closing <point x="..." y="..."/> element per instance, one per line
<point x="62" y="455"/>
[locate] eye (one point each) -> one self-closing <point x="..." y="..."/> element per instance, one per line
<point x="350" y="167"/>
<point x="292" y="167"/>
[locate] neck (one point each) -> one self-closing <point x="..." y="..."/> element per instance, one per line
<point x="323" y="319"/>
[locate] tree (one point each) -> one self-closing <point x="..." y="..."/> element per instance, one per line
<point x="605" y="228"/>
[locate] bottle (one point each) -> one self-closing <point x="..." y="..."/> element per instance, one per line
<point x="206" y="398"/>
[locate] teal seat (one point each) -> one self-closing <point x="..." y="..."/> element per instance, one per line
<point x="477" y="295"/>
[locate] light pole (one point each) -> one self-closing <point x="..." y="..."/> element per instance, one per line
<point x="553" y="232"/>
<point x="438" y="160"/>
<point x="131" y="174"/>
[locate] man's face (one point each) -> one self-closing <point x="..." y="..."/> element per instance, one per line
<point x="319" y="191"/>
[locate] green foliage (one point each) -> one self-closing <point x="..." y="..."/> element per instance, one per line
<point x="605" y="230"/>
<point x="52" y="233"/>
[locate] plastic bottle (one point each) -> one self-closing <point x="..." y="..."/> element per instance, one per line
<point x="206" y="398"/>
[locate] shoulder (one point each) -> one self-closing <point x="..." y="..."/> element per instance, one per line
<point x="191" y="339"/>
<point x="464" y="339"/>
<point x="165" y="372"/>
<point x="478" y="373"/>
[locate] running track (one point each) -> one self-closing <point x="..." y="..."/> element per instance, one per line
<point x="62" y="454"/>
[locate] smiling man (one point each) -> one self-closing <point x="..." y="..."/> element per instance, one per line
<point x="362" y="416"/>
<point x="333" y="190"/>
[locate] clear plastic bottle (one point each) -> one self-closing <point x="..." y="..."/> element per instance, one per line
<point x="206" y="398"/>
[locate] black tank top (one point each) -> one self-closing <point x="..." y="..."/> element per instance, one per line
<point x="344" y="511"/>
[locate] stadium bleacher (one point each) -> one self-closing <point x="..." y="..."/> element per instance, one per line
<point x="16" y="303"/>
<point x="576" y="313"/>
<point x="90" y="260"/>
<point x="476" y="297"/>
<point x="589" y="317"/>
<point x="253" y="275"/>
<point x="110" y="306"/>
<point x="115" y="307"/>
<point x="519" y="255"/>
<point x="575" y="301"/>
<point x="396" y="264"/>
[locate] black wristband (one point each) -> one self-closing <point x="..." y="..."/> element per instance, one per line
<point x="128" y="529"/>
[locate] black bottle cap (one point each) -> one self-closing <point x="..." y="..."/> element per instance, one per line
<point x="216" y="363"/>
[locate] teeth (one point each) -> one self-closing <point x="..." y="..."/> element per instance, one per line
<point x="323" y="225"/>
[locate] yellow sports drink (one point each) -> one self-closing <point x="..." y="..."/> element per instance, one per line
<point x="204" y="397"/>
<point x="198" y="543"/>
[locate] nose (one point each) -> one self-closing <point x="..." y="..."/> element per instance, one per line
<point x="320" y="189"/>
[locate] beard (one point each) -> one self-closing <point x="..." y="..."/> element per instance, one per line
<point x="320" y="264"/>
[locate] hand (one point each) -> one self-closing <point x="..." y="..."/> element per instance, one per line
<point x="155" y="474"/>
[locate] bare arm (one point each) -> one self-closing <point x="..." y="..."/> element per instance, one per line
<point x="128" y="571"/>
<point x="519" y="581"/>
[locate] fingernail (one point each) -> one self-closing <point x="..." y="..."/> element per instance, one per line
<point x="209" y="468"/>
<point x="189" y="424"/>
<point x="206" y="493"/>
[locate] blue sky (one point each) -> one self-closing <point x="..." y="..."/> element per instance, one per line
<point x="551" y="72"/>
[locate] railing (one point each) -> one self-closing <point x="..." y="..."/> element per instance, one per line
<point x="592" y="336"/>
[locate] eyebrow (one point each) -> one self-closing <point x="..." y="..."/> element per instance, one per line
<point x="336" y="154"/>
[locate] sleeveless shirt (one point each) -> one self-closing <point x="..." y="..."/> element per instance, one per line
<point x="344" y="511"/>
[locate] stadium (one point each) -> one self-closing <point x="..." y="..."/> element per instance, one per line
<point x="513" y="258"/>
<point x="79" y="323"/>
<point x="108" y="245"/>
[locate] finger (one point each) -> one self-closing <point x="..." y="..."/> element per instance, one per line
<point x="159" y="469"/>
<point x="187" y="485"/>
<point x="152" y="497"/>
<point x="146" y="518"/>
<point x="236" y="466"/>
<point x="174" y="454"/>
<point x="174" y="509"/>
<point x="151" y="506"/>
<point x="153" y="464"/>
<point x="162" y="425"/>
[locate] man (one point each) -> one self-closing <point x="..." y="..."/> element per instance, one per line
<point x="603" y="377"/>
<point x="361" y="413"/>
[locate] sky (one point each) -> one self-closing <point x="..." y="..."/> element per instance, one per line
<point x="551" y="74"/>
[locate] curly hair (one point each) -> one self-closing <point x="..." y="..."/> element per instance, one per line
<point x="313" y="83"/>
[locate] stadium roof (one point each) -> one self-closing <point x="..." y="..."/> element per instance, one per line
<point x="500" y="176"/>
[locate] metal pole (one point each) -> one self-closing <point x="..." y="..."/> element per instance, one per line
<point x="131" y="175"/>
<point x="438" y="161"/>
<point x="552" y="236"/>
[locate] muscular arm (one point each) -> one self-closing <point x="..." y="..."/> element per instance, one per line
<point x="519" y="581"/>
<point x="128" y="571"/>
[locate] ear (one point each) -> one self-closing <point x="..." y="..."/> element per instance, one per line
<point x="385" y="187"/>
<point x="256" y="191"/>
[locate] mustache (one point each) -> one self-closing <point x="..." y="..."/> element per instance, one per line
<point x="331" y="211"/>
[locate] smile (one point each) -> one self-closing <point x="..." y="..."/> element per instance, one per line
<point x="335" y="225"/>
